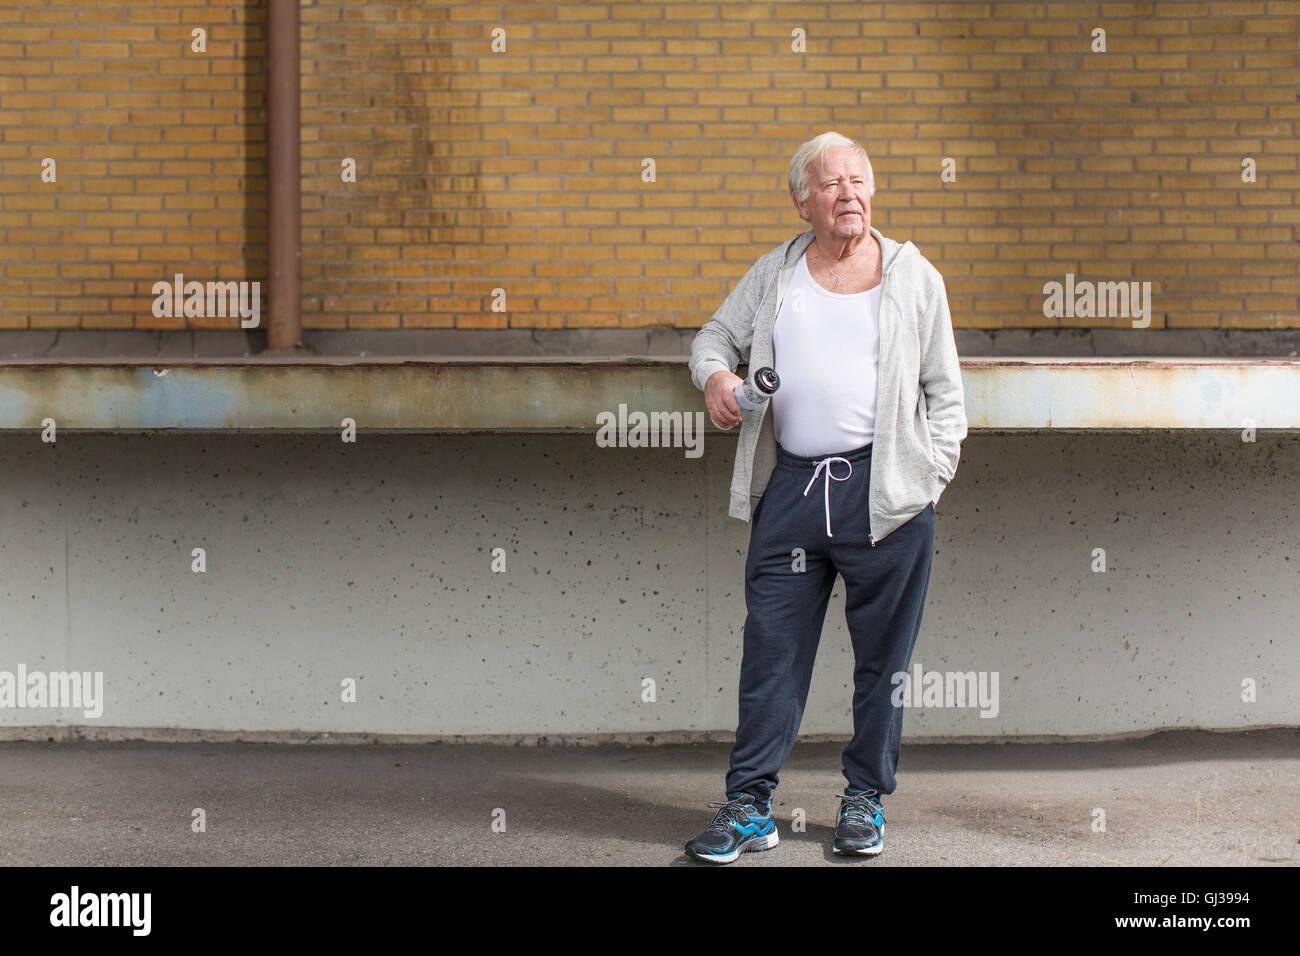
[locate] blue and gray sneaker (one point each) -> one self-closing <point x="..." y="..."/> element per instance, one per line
<point x="743" y="824"/>
<point x="861" y="827"/>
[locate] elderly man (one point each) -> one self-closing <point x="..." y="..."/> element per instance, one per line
<point x="842" y="467"/>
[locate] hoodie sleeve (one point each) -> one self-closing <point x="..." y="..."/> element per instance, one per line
<point x="945" y="398"/>
<point x="723" y="342"/>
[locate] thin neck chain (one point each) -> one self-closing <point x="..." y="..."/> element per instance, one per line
<point x="827" y="268"/>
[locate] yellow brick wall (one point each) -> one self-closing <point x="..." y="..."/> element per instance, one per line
<point x="522" y="169"/>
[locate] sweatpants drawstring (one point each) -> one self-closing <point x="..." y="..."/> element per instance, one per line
<point x="826" y="463"/>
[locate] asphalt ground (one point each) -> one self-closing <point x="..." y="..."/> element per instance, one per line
<point x="1182" y="798"/>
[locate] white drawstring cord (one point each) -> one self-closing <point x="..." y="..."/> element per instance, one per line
<point x="826" y="463"/>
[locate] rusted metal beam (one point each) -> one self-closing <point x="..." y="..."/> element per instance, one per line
<point x="284" y="200"/>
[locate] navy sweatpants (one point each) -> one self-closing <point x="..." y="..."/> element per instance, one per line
<point x="886" y="587"/>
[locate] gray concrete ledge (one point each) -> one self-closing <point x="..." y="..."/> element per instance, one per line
<point x="571" y="395"/>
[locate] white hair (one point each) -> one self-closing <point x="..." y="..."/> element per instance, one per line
<point x="814" y="150"/>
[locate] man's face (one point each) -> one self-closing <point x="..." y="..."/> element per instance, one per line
<point x="837" y="204"/>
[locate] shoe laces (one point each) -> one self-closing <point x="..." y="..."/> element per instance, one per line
<point x="730" y="811"/>
<point x="861" y="808"/>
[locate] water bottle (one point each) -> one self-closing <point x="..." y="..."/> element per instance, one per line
<point x="760" y="386"/>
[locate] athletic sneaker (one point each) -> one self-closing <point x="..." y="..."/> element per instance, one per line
<point x="861" y="827"/>
<point x="743" y="824"/>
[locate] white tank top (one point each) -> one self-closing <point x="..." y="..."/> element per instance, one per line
<point x="826" y="349"/>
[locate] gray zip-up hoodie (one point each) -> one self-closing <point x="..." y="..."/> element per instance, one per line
<point x="920" y="402"/>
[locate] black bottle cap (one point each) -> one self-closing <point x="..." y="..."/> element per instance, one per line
<point x="766" y="380"/>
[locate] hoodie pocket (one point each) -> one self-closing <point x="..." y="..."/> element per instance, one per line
<point x="923" y="433"/>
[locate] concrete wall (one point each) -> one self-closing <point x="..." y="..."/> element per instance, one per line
<point x="372" y="560"/>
